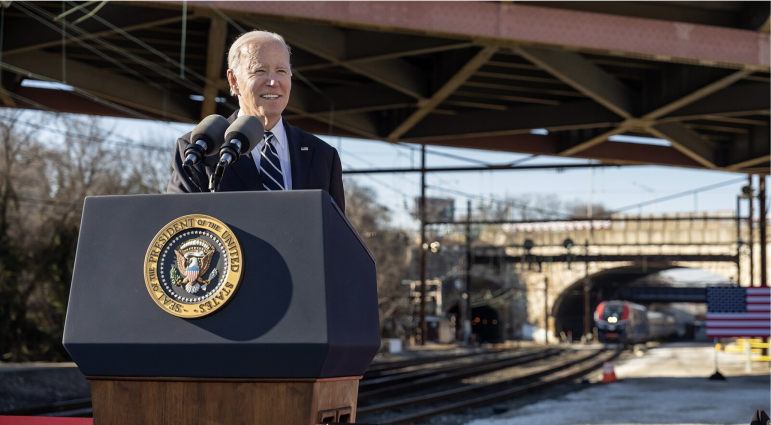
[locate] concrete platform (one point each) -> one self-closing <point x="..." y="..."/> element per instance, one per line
<point x="666" y="385"/>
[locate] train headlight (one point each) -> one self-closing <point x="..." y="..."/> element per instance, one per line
<point x="612" y="319"/>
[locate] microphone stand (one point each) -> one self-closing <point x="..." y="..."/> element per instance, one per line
<point x="229" y="153"/>
<point x="194" y="153"/>
<point x="190" y="171"/>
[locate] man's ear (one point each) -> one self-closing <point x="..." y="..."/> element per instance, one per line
<point x="233" y="82"/>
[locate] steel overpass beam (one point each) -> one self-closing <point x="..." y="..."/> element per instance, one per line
<point x="372" y="56"/>
<point x="584" y="76"/>
<point x="589" y="79"/>
<point x="734" y="101"/>
<point x="460" y="77"/>
<point x="687" y="141"/>
<point x="368" y="97"/>
<point x="218" y="32"/>
<point x="697" y="94"/>
<point x="359" y="124"/>
<point x="508" y="25"/>
<point x="739" y="166"/>
<point x="108" y="85"/>
<point x="330" y="44"/>
<point x="682" y="138"/>
<point x="582" y="114"/>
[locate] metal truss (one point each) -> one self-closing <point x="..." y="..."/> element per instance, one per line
<point x="478" y="75"/>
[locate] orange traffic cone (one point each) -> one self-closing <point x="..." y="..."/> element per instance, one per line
<point x="608" y="375"/>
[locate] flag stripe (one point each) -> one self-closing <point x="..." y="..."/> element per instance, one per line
<point x="737" y="315"/>
<point x="743" y="323"/>
<point x="757" y="308"/>
<point x="737" y="332"/>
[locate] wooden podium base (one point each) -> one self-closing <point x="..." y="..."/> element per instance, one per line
<point x="187" y="401"/>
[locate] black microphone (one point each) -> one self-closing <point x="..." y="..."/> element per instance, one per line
<point x="245" y="132"/>
<point x="207" y="137"/>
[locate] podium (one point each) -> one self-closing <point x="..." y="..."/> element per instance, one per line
<point x="281" y="326"/>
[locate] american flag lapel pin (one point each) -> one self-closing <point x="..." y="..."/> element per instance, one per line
<point x="303" y="148"/>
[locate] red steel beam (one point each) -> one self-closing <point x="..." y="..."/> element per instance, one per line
<point x="613" y="152"/>
<point x="510" y="24"/>
<point x="634" y="153"/>
<point x="318" y="127"/>
<point x="69" y="102"/>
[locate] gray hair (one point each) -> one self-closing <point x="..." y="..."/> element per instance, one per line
<point x="234" y="55"/>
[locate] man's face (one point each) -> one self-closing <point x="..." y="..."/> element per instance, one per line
<point x="263" y="81"/>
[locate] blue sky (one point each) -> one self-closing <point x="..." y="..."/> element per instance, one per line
<point x="615" y="187"/>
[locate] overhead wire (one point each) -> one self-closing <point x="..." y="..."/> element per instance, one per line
<point x="150" y="48"/>
<point x="74" y="9"/>
<point x="141" y="146"/>
<point x="23" y="7"/>
<point x="147" y="64"/>
<point x="91" y="13"/>
<point x="499" y="201"/>
<point x="674" y="196"/>
<point x="457" y="192"/>
<point x="399" y="191"/>
<point x="77" y="91"/>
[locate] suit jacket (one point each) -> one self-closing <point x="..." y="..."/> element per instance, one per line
<point x="318" y="167"/>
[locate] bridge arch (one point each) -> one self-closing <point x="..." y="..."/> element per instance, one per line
<point x="568" y="308"/>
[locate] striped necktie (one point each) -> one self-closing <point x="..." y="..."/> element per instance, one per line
<point x="270" y="166"/>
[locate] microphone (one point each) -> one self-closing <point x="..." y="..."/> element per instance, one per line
<point x="245" y="132"/>
<point x="207" y="137"/>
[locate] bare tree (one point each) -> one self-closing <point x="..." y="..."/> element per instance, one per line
<point x="390" y="247"/>
<point x="580" y="209"/>
<point x="42" y="189"/>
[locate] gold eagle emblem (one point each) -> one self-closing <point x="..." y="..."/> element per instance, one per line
<point x="194" y="258"/>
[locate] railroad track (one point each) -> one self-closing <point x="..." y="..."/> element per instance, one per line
<point x="401" y="377"/>
<point x="453" y="372"/>
<point x="445" y="401"/>
<point x="388" y="370"/>
<point x="78" y="408"/>
<point x="394" y="367"/>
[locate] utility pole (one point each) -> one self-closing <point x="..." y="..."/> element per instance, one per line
<point x="762" y="201"/>
<point x="461" y="285"/>
<point x="467" y="292"/>
<point x="546" y="310"/>
<point x="763" y="277"/>
<point x="739" y="240"/>
<point x="423" y="329"/>
<point x="587" y="324"/>
<point x="751" y="238"/>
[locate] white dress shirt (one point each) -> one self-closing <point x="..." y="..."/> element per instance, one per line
<point x="282" y="148"/>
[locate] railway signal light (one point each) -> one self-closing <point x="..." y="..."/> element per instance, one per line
<point x="568" y="243"/>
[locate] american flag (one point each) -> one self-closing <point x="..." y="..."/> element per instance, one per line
<point x="733" y="311"/>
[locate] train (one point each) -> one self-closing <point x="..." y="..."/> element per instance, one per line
<point x="627" y="323"/>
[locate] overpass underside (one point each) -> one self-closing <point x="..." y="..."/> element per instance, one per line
<point x="480" y="75"/>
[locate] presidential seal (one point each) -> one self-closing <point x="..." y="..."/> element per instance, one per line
<point x="193" y="266"/>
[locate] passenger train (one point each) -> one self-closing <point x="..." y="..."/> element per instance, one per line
<point x="628" y="323"/>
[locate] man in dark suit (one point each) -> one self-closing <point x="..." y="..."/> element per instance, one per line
<point x="287" y="158"/>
